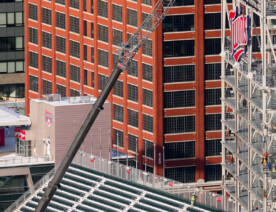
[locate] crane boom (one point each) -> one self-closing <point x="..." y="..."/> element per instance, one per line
<point x="126" y="54"/>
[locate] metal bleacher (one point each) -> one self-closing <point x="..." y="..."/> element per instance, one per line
<point x="85" y="189"/>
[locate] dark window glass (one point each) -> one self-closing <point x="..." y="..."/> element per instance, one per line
<point x="212" y="96"/>
<point x="85" y="52"/>
<point x="215" y="1"/>
<point x="33" y="12"/>
<point x="74" y="4"/>
<point x="33" y="59"/>
<point x="212" y="122"/>
<point x="132" y="143"/>
<point x="102" y="9"/>
<point x="85" y="77"/>
<point x="33" y="83"/>
<point x="61" y="90"/>
<point x="92" y="79"/>
<point x="147" y="97"/>
<point x="92" y="55"/>
<point x="212" y="71"/>
<point x="181" y="174"/>
<point x="176" y="99"/>
<point x="74" y="92"/>
<point x="148" y="148"/>
<point x="213" y="172"/>
<point x="47" y="40"/>
<point x="47" y="64"/>
<point x="147" y="72"/>
<point x="118" y="113"/>
<point x="60" y="2"/>
<point x="74" y="49"/>
<point x="60" y="20"/>
<point x="33" y="36"/>
<point x="85" y="5"/>
<point x="214" y="21"/>
<point x="132" y="118"/>
<point x="103" y="33"/>
<point x="118" y="138"/>
<point x="92" y="30"/>
<point x="117" y="37"/>
<point x="92" y="6"/>
<point x="11" y="44"/>
<point x="102" y="81"/>
<point x="213" y="147"/>
<point x="103" y="58"/>
<point x="46" y="16"/>
<point x="184" y="73"/>
<point x="148" y="2"/>
<point x="256" y="20"/>
<point x="47" y="87"/>
<point x="183" y="3"/>
<point x="177" y="150"/>
<point x="180" y="48"/>
<point x="61" y="68"/>
<point x="212" y="46"/>
<point x="85" y="28"/>
<point x="147" y="123"/>
<point x="132" y="17"/>
<point x="147" y="47"/>
<point x="75" y="73"/>
<point x="133" y="68"/>
<point x="178" y="23"/>
<point x="74" y="25"/>
<point x="255" y="44"/>
<point x="118" y="89"/>
<point x="117" y="13"/>
<point x="132" y="93"/>
<point x="181" y="124"/>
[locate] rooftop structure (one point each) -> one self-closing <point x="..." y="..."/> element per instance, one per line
<point x="10" y="118"/>
<point x="249" y="104"/>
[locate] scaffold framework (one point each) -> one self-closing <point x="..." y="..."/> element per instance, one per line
<point x="249" y="103"/>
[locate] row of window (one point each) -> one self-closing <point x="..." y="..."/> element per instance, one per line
<point x="13" y="19"/>
<point x="8" y="67"/>
<point x="11" y="44"/>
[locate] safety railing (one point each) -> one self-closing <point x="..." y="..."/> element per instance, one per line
<point x="179" y="189"/>
<point x="31" y="191"/>
<point x="5" y="162"/>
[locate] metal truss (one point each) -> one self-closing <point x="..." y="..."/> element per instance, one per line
<point x="249" y="111"/>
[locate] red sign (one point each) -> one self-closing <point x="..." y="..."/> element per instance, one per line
<point x="19" y="133"/>
<point x="48" y="117"/>
<point x="240" y="33"/>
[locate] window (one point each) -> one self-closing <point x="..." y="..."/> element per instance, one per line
<point x="133" y="68"/>
<point x="74" y="92"/>
<point x="183" y="3"/>
<point x="47" y="87"/>
<point x="148" y="2"/>
<point x="215" y="1"/>
<point x="102" y="9"/>
<point x="85" y="5"/>
<point x="118" y="138"/>
<point x="117" y="37"/>
<point x="47" y="40"/>
<point x="75" y="73"/>
<point x="118" y="89"/>
<point x="74" y="49"/>
<point x="74" y="25"/>
<point x="47" y="64"/>
<point x="212" y="122"/>
<point x="92" y="54"/>
<point x="180" y="48"/>
<point x="103" y="33"/>
<point x="92" y="6"/>
<point x="115" y="59"/>
<point x="11" y="44"/>
<point x="85" y="77"/>
<point x="181" y="124"/>
<point x="177" y="150"/>
<point x="117" y="13"/>
<point x="177" y="23"/>
<point x="133" y="143"/>
<point x="132" y="118"/>
<point x="132" y="17"/>
<point x="147" y="26"/>
<point x="213" y="147"/>
<point x="212" y="96"/>
<point x="148" y="168"/>
<point x="214" y="21"/>
<point x="33" y="83"/>
<point x="33" y="12"/>
<point x="181" y="174"/>
<point x="13" y="19"/>
<point x="212" y="71"/>
<point x="60" y="20"/>
<point x="183" y="73"/>
<point x="212" y="46"/>
<point x="147" y="97"/>
<point x="176" y="99"/>
<point x="92" y="79"/>
<point x="147" y="72"/>
<point x="213" y="172"/>
<point x="118" y="113"/>
<point x="61" y="68"/>
<point x="14" y="91"/>
<point x="74" y="4"/>
<point x="61" y="90"/>
<point x="148" y="148"/>
<point x="33" y="59"/>
<point x="255" y="44"/>
<point x="256" y="20"/>
<point x="102" y="81"/>
<point x="132" y="92"/>
<point x="103" y="58"/>
<point x="46" y="16"/>
<point x="147" y="123"/>
<point x="33" y="36"/>
<point x="147" y="47"/>
<point x="8" y="67"/>
<point x="85" y="28"/>
<point x="92" y="30"/>
<point x="61" y="44"/>
<point x="60" y="2"/>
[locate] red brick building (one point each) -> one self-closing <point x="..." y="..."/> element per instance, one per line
<point x="169" y="98"/>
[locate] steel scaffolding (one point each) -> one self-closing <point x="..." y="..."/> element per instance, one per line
<point x="249" y="110"/>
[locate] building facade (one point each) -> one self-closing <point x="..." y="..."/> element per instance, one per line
<point x="168" y="101"/>
<point x="12" y="77"/>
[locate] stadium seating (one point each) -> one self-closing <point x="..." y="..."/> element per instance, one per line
<point x="84" y="189"/>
